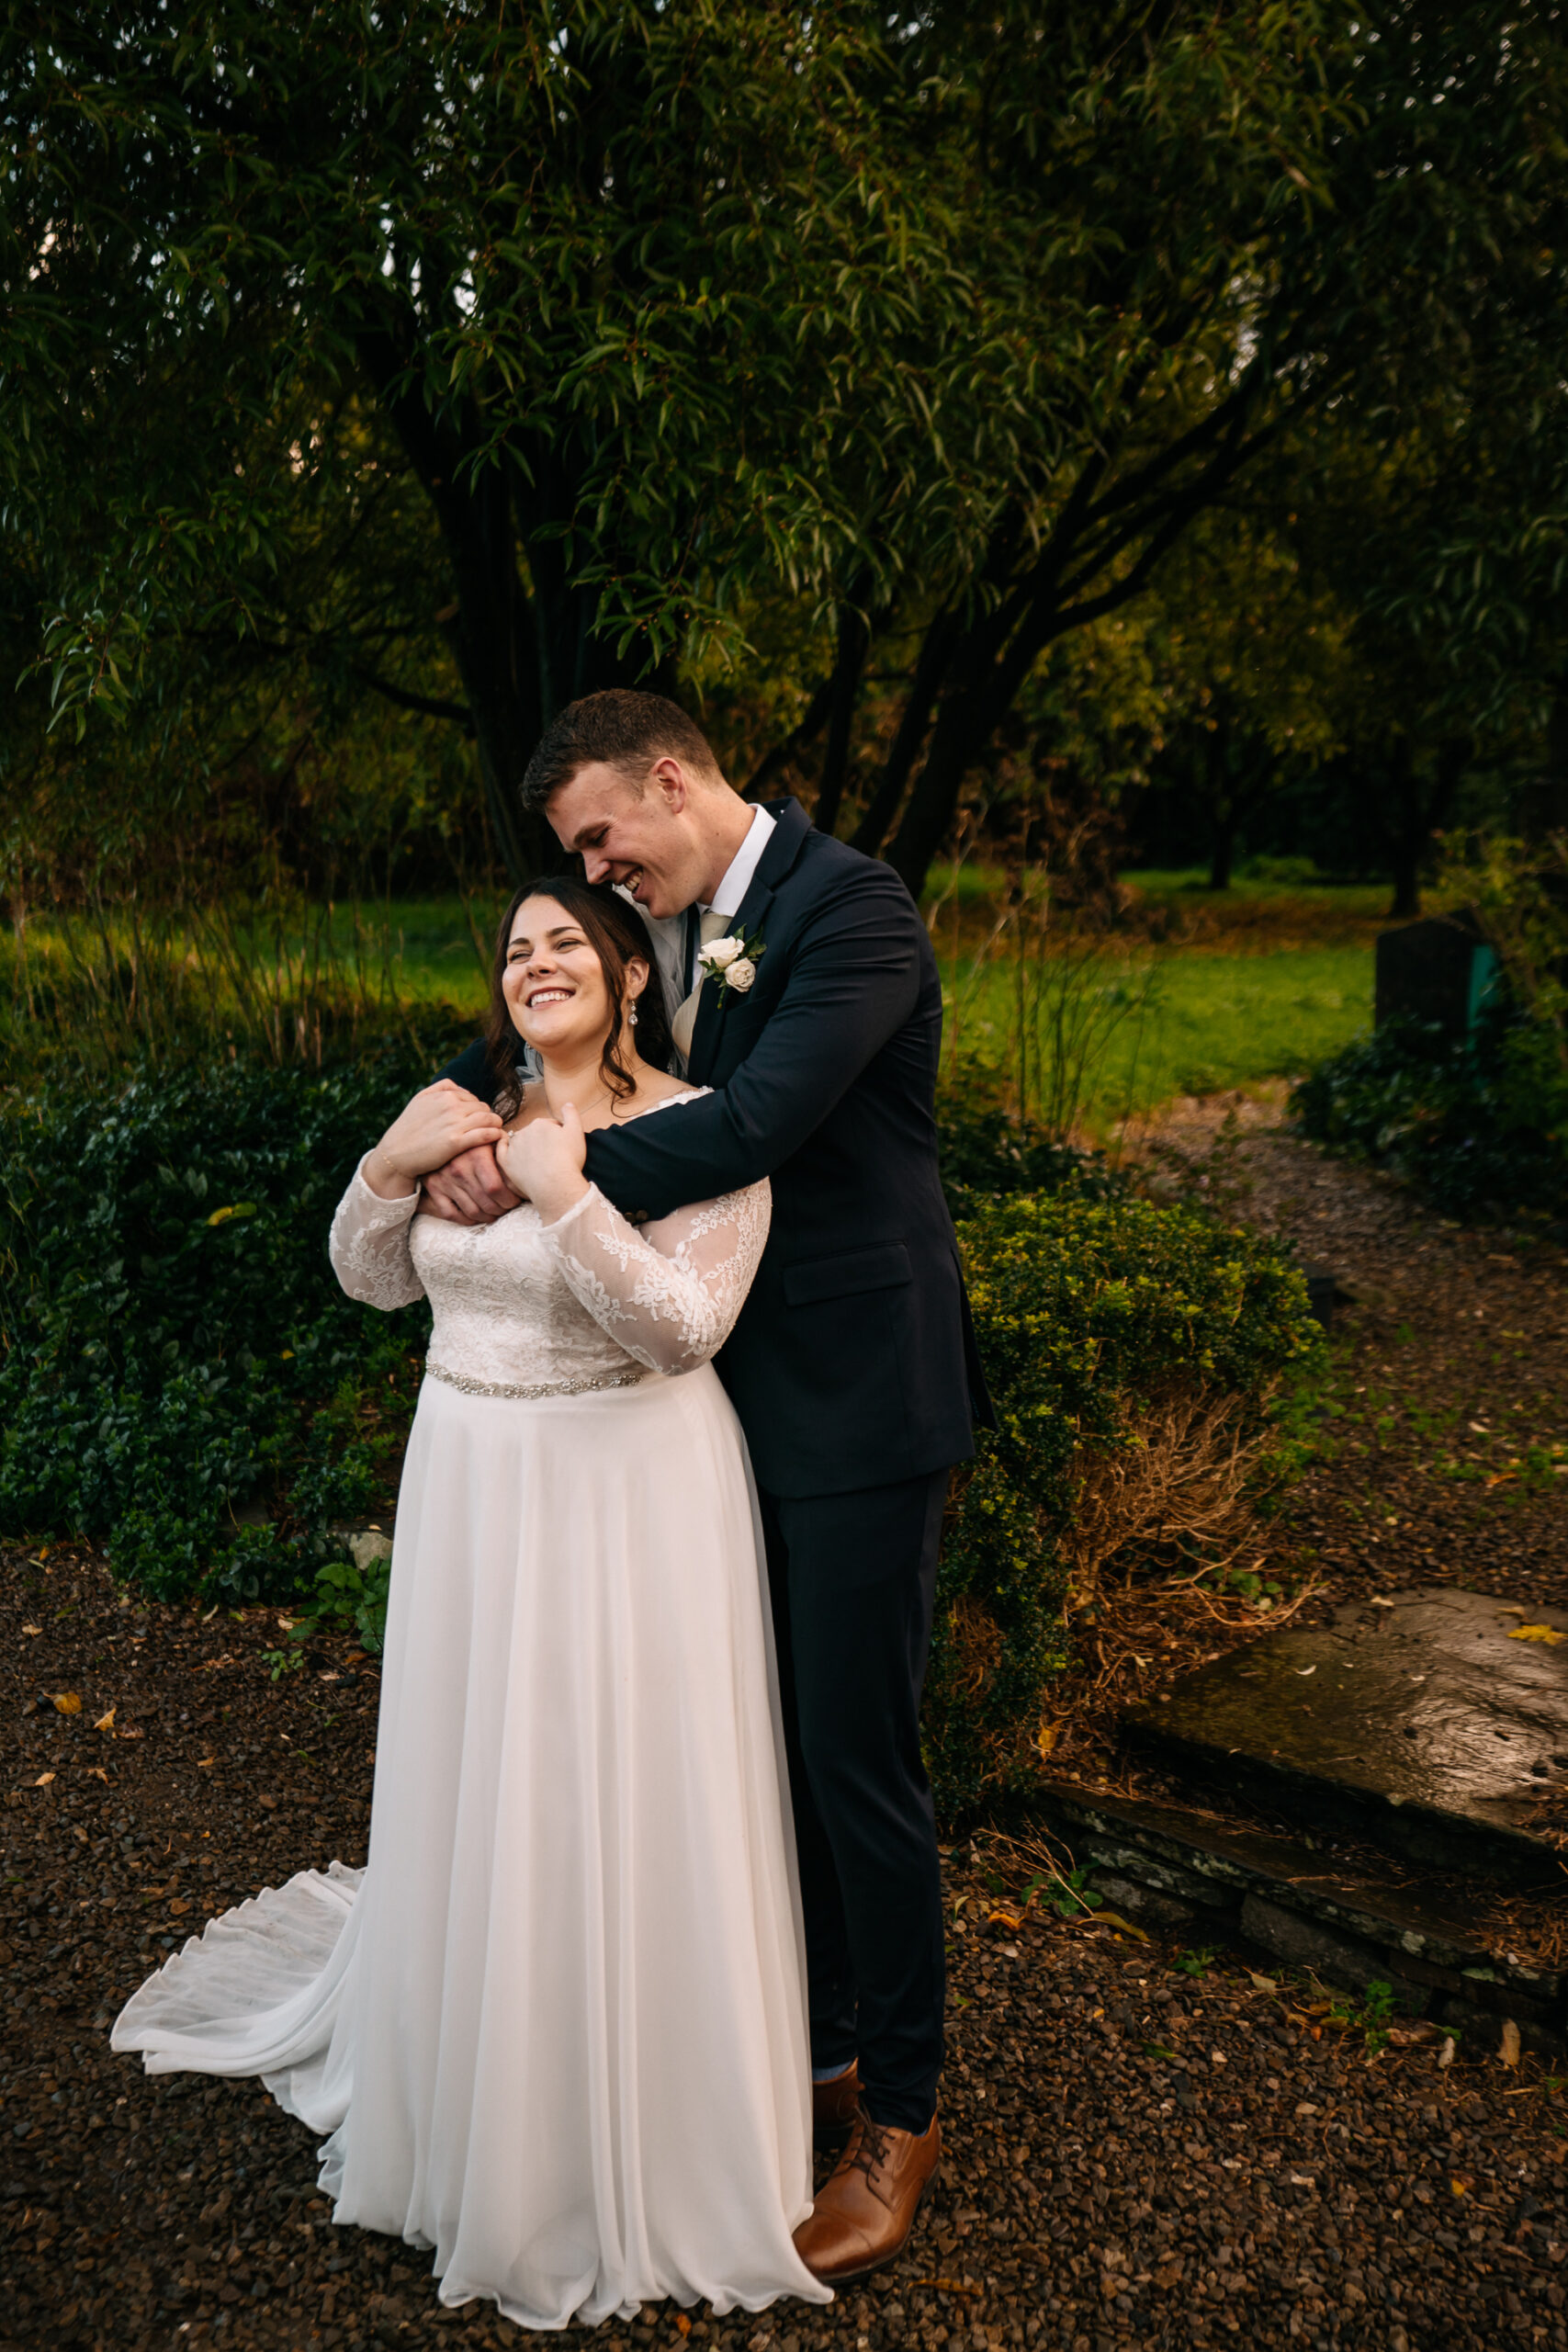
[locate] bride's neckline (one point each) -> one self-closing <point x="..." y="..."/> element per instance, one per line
<point x="687" y="1094"/>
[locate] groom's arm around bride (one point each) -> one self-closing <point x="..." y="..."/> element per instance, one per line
<point x="852" y="1365"/>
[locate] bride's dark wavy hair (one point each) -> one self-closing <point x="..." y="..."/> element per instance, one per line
<point x="617" y="936"/>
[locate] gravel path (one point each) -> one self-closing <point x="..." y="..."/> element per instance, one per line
<point x="1138" y="2154"/>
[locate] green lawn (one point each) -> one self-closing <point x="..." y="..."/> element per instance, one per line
<point x="1267" y="983"/>
<point x="1211" y="1021"/>
<point x="1180" y="1024"/>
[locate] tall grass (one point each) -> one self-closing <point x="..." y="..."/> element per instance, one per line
<point x="275" y="977"/>
<point x="1067" y="995"/>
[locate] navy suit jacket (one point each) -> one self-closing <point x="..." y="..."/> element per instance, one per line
<point x="852" y="1362"/>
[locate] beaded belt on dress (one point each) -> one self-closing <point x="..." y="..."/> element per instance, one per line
<point x="628" y="1379"/>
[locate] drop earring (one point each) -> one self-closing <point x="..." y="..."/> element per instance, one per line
<point x="631" y="1017"/>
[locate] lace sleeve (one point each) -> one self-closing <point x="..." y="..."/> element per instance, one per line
<point x="668" y="1293"/>
<point x="369" y="1246"/>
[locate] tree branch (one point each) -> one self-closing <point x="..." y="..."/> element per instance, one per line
<point x="432" y="705"/>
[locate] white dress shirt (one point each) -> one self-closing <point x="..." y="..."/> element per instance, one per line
<point x="728" y="899"/>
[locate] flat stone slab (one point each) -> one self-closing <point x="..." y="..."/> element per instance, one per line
<point x="1426" y="1725"/>
<point x="1180" y="1867"/>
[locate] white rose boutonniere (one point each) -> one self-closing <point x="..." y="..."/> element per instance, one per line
<point x="732" y="962"/>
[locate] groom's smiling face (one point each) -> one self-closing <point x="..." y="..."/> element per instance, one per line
<point x="644" y="832"/>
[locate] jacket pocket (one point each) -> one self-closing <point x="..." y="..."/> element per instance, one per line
<point x="886" y="1267"/>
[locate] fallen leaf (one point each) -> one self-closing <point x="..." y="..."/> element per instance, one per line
<point x="131" y="1731"/>
<point x="1460" y="2188"/>
<point x="682" y="2324"/>
<point x="1045" y="1737"/>
<point x="68" y="1702"/>
<point x="1003" y="1919"/>
<point x="1379" y="1602"/>
<point x="1264" y="1984"/>
<point x="1112" y="1919"/>
<point x="32" y="1629"/>
<point x="43" y="1780"/>
<point x="180" y="1905"/>
<point x="1510" y="2049"/>
<point x="96" y="1772"/>
<point x="1446" y="2054"/>
<point x="1305" y="1671"/>
<point x="1404" y="2037"/>
<point x="236" y="1208"/>
<point x="203" y="1763"/>
<point x="104" y="1723"/>
<point x="1548" y="1634"/>
<point x="270" y="1802"/>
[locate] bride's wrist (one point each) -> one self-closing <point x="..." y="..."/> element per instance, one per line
<point x="385" y="1177"/>
<point x="554" y="1198"/>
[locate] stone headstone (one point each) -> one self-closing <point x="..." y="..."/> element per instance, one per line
<point x="1438" y="970"/>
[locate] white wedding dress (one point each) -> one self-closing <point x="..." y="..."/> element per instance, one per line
<point x="556" y="2028"/>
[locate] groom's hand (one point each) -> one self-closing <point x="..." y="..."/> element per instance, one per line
<point x="470" y="1189"/>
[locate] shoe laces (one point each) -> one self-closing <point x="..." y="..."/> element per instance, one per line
<point x="868" y="2150"/>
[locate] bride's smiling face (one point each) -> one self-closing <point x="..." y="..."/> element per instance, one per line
<point x="554" y="982"/>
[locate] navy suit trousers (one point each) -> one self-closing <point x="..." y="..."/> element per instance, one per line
<point x="853" y="1582"/>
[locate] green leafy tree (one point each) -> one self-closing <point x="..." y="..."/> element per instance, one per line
<point x="943" y="328"/>
<point x="1196" y="231"/>
<point x="622" y="290"/>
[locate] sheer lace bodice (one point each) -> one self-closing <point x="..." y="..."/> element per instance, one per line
<point x="520" y="1305"/>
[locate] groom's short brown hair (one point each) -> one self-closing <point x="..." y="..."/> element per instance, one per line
<point x="622" y="728"/>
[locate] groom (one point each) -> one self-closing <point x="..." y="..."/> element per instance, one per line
<point x="852" y="1366"/>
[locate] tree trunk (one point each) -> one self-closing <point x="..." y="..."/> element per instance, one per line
<point x="521" y="662"/>
<point x="1409" y="832"/>
<point x="1418" y="815"/>
<point x="854" y="642"/>
<point x="1544" y="802"/>
<point x="1222" y="850"/>
<point x="1224" y="812"/>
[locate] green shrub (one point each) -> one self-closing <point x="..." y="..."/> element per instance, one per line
<point x="1479" y="1125"/>
<point x="181" y="1378"/>
<point x="989" y="1154"/>
<point x="1088" y="1313"/>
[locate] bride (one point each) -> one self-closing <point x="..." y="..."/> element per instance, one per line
<point x="556" y="2028"/>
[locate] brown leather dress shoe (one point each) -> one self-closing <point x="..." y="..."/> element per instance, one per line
<point x="834" y="2106"/>
<point x="865" y="2210"/>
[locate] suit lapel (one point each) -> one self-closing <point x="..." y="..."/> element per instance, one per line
<point x="790" y="831"/>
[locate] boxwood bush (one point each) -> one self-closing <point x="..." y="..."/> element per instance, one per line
<point x="181" y="1378"/>
<point x="1088" y="1313"/>
<point x="1480" y="1125"/>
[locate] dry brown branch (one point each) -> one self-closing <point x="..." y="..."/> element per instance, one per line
<point x="1182" y="1485"/>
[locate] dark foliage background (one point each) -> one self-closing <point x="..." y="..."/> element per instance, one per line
<point x="181" y="1379"/>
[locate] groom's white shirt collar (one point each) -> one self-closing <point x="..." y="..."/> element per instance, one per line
<point x="728" y="899"/>
<point x="667" y="932"/>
